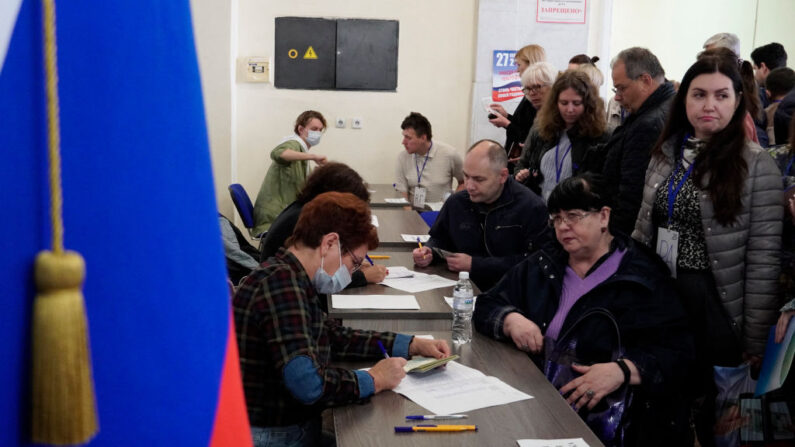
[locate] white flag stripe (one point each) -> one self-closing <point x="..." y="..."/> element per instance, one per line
<point x="8" y="18"/>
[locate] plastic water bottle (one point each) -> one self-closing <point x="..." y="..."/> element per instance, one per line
<point x="463" y="305"/>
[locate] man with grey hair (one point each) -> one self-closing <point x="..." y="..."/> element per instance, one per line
<point x="640" y="87"/>
<point x="724" y="40"/>
<point x="491" y="225"/>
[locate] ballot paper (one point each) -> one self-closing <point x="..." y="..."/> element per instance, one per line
<point x="457" y="389"/>
<point x="413" y="237"/>
<point x="399" y="272"/>
<point x="434" y="206"/>
<point x="420" y="282"/>
<point x="374" y="220"/>
<point x="571" y="442"/>
<point x="398" y="200"/>
<point x="374" y="302"/>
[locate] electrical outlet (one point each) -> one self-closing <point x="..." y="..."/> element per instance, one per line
<point x="340" y="123"/>
<point x="356" y="123"/>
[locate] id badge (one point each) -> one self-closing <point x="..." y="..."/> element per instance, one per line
<point x="668" y="247"/>
<point x="419" y="196"/>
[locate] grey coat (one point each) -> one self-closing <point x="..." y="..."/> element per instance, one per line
<point x="744" y="256"/>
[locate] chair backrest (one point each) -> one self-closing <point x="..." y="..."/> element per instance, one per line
<point x="429" y="217"/>
<point x="243" y="204"/>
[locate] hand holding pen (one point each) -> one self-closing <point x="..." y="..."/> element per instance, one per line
<point x="422" y="255"/>
<point x="387" y="373"/>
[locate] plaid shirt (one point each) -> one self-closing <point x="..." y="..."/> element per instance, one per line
<point x="278" y="318"/>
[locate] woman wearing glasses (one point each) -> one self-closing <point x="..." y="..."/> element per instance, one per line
<point x="287" y="343"/>
<point x="712" y="206"/>
<point x="591" y="268"/>
<point x="564" y="139"/>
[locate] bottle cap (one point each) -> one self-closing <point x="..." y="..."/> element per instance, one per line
<point x="463" y="275"/>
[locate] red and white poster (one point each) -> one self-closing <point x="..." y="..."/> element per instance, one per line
<point x="561" y="11"/>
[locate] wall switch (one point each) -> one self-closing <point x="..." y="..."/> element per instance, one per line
<point x="356" y="123"/>
<point x="340" y="123"/>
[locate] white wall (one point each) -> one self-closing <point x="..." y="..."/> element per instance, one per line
<point x="213" y="26"/>
<point x="435" y="70"/>
<point x="675" y="30"/>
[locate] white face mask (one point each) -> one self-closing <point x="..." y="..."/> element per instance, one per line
<point x="313" y="137"/>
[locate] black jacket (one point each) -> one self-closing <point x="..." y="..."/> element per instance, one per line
<point x="587" y="155"/>
<point x="628" y="154"/>
<point x="498" y="236"/>
<point x="783" y="117"/>
<point x="651" y="321"/>
<point x="521" y="122"/>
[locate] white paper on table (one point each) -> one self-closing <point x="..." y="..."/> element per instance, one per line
<point x="571" y="442"/>
<point x="397" y="200"/>
<point x="399" y="272"/>
<point x="374" y="220"/>
<point x="434" y="206"/>
<point x="457" y="389"/>
<point x="420" y="282"/>
<point x="413" y="237"/>
<point x="449" y="301"/>
<point x="374" y="302"/>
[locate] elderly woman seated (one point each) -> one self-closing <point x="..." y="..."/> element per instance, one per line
<point x="591" y="268"/>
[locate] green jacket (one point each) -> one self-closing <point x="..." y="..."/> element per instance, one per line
<point x="280" y="186"/>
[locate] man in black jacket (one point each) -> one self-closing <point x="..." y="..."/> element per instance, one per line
<point x="490" y="226"/>
<point x="640" y="87"/>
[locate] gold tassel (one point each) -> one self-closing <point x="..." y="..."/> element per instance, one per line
<point x="64" y="410"/>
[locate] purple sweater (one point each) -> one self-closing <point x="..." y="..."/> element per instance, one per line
<point x="574" y="287"/>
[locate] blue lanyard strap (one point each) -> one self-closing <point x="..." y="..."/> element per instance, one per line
<point x="559" y="165"/>
<point x="673" y="192"/>
<point x="419" y="172"/>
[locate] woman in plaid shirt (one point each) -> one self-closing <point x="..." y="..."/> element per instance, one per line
<point x="287" y="343"/>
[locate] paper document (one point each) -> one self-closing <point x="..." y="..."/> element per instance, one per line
<point x="374" y="302"/>
<point x="400" y="200"/>
<point x="572" y="442"/>
<point x="434" y="206"/>
<point x="374" y="220"/>
<point x="399" y="272"/>
<point x="420" y="282"/>
<point x="420" y="364"/>
<point x="413" y="237"/>
<point x="457" y="389"/>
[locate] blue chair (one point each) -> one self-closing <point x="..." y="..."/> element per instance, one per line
<point x="244" y="207"/>
<point x="429" y="217"/>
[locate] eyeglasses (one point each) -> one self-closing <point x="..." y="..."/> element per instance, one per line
<point x="532" y="88"/>
<point x="619" y="90"/>
<point x="357" y="263"/>
<point x="570" y="218"/>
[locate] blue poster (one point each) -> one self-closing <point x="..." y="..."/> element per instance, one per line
<point x="506" y="84"/>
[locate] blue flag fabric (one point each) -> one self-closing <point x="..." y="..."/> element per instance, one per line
<point x="139" y="206"/>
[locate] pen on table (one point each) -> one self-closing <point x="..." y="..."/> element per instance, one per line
<point x="425" y="417"/>
<point x="369" y="259"/>
<point x="383" y="349"/>
<point x="415" y="428"/>
<point x="379" y="257"/>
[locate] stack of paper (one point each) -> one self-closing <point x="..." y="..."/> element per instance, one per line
<point x="399" y="272"/>
<point x="420" y="364"/>
<point x="420" y="282"/>
<point x="416" y="237"/>
<point x="457" y="389"/>
<point x="374" y="302"/>
<point x="400" y="200"/>
<point x="571" y="442"/>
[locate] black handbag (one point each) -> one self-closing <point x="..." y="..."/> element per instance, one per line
<point x="609" y="419"/>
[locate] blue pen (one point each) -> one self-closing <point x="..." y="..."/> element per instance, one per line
<point x="428" y="417"/>
<point x="368" y="259"/>
<point x="383" y="349"/>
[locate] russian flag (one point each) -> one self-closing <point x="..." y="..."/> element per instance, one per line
<point x="139" y="206"/>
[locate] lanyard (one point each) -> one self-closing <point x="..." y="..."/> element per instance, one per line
<point x="559" y="166"/>
<point x="419" y="173"/>
<point x="672" y="193"/>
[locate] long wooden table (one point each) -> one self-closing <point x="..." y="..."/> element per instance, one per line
<point x="379" y="192"/>
<point x="392" y="222"/>
<point x="546" y="416"/>
<point x="434" y="313"/>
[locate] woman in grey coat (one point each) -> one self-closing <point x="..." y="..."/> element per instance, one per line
<point x="712" y="208"/>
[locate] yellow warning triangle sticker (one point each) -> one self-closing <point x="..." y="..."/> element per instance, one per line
<point x="310" y="53"/>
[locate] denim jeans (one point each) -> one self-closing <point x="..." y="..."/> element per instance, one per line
<point x="299" y="435"/>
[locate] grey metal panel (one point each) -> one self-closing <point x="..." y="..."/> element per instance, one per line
<point x="367" y="54"/>
<point x="294" y="36"/>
